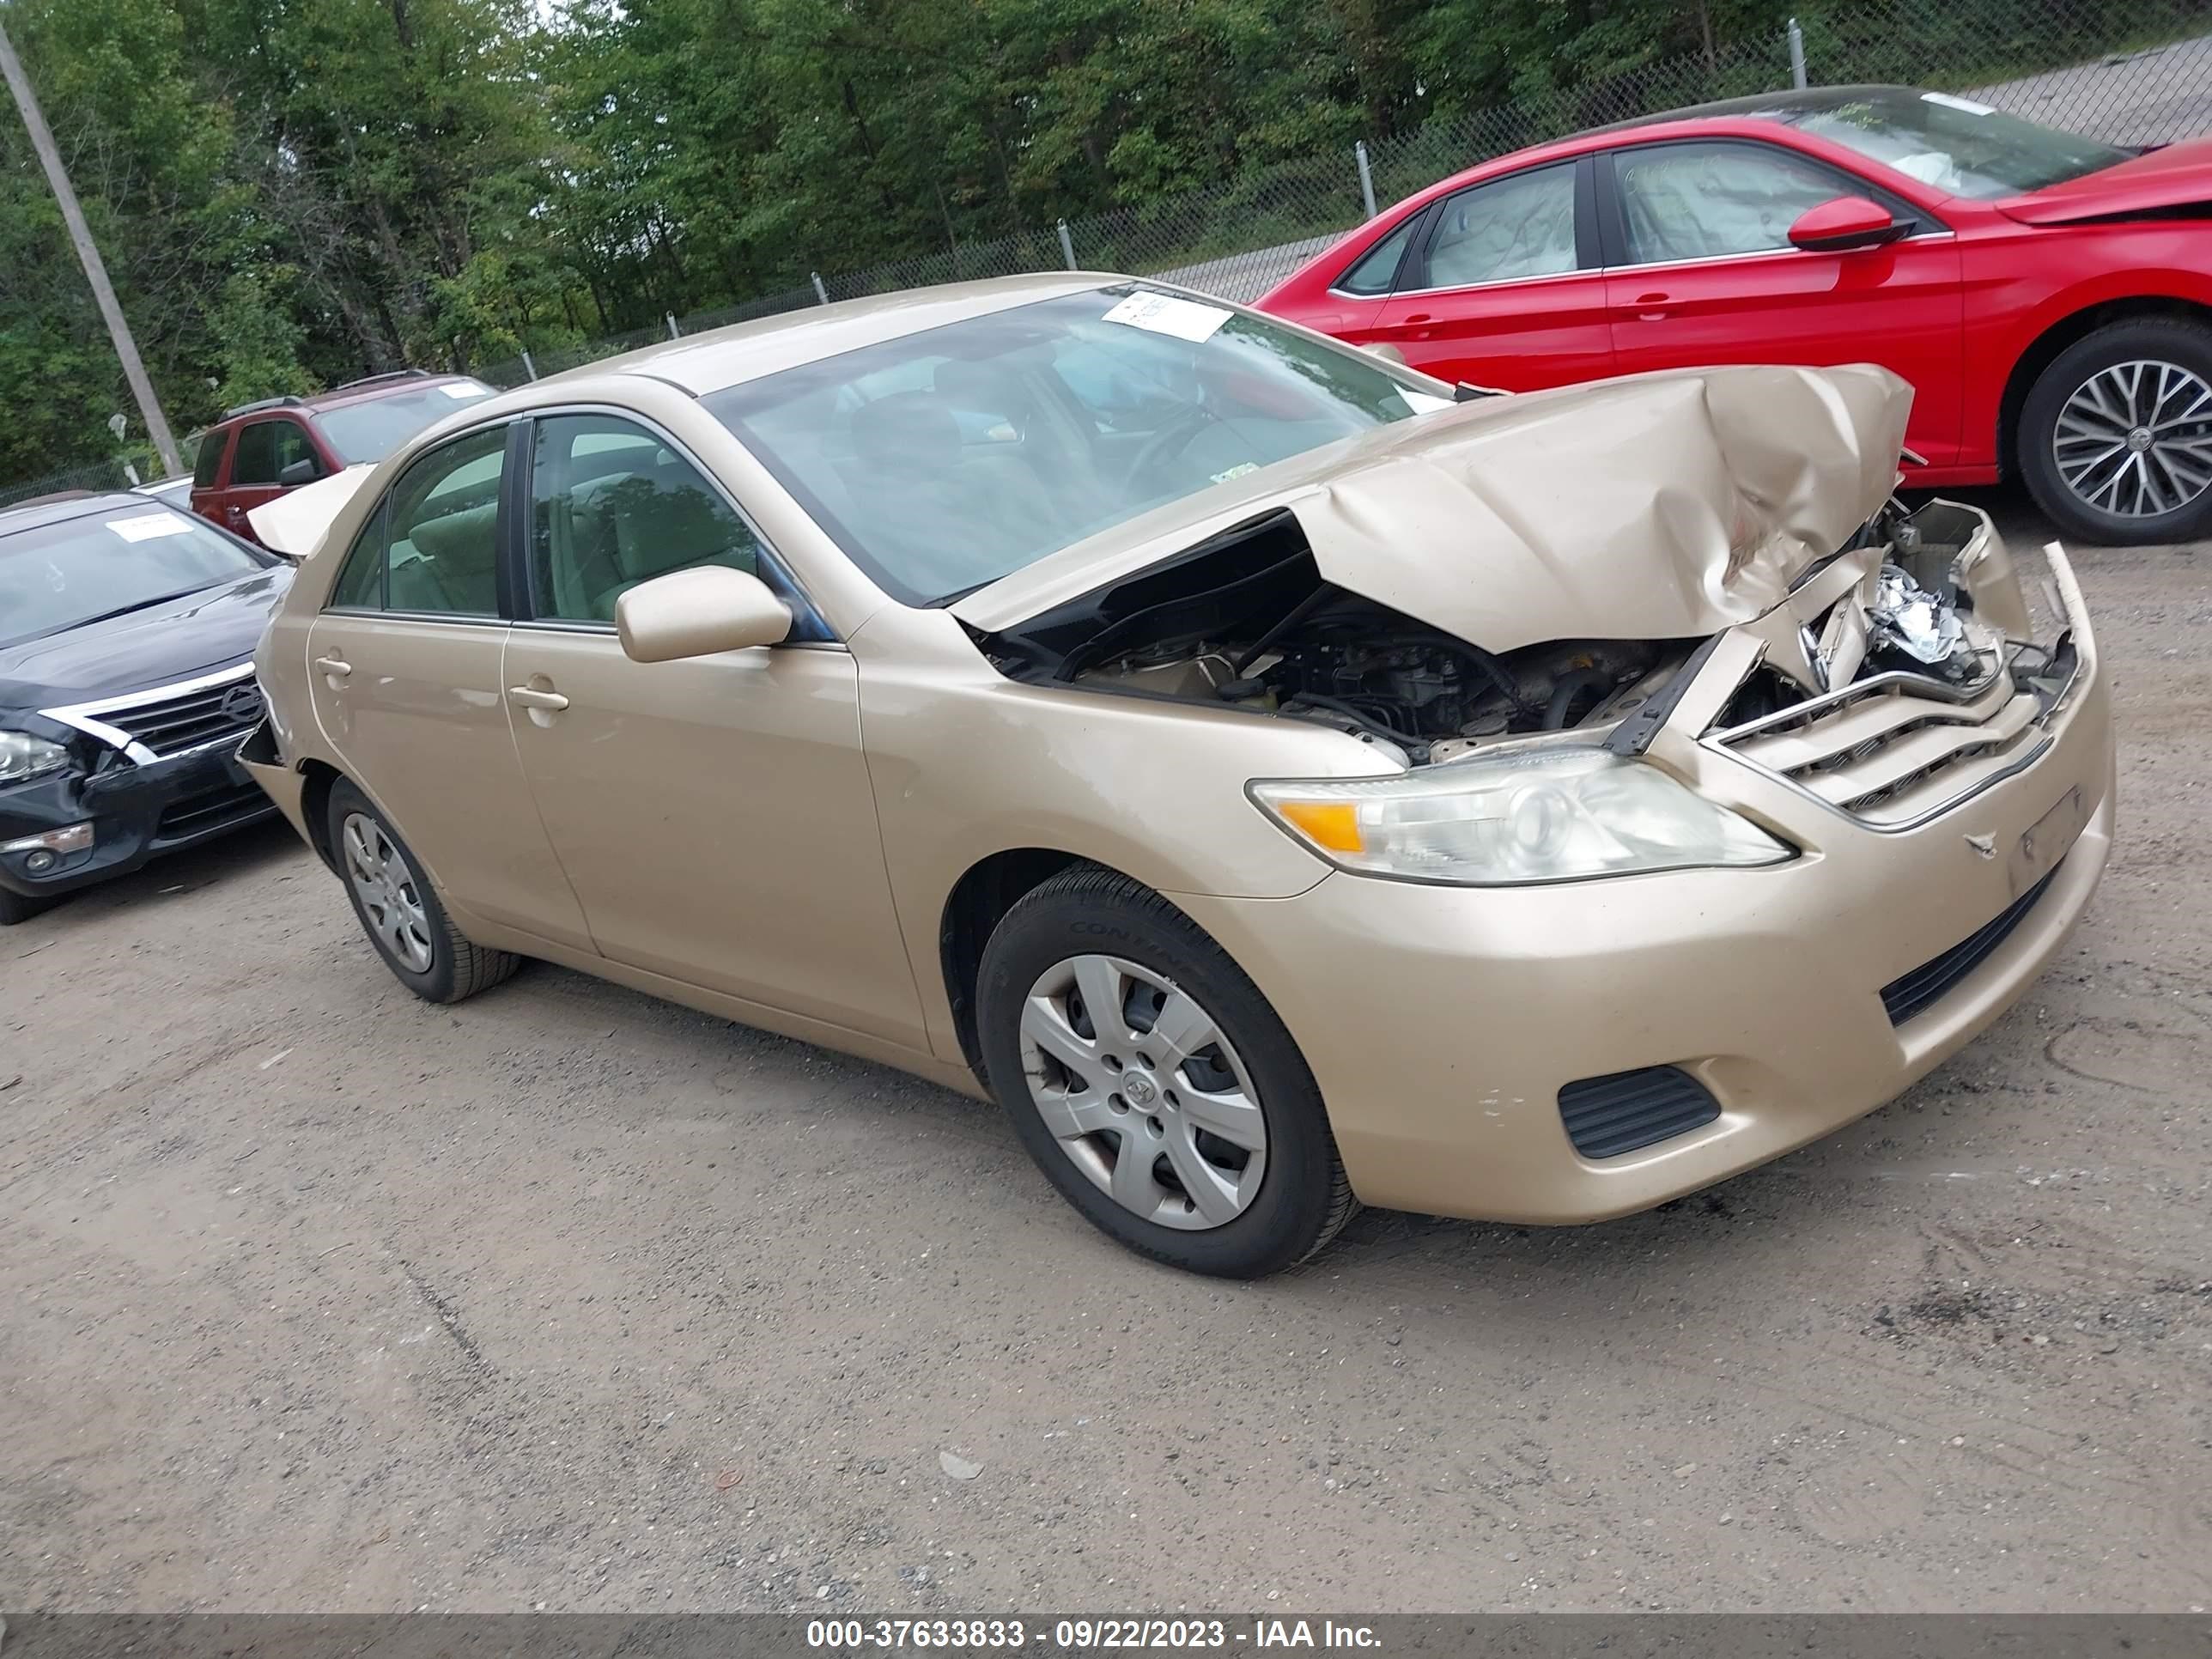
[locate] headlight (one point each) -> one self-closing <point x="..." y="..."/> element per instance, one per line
<point x="1553" y="814"/>
<point x="23" y="756"/>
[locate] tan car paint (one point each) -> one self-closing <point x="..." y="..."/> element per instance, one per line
<point x="415" y="712"/>
<point x="716" y="820"/>
<point x="1440" y="1021"/>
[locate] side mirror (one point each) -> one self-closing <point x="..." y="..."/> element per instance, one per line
<point x="305" y="470"/>
<point x="697" y="613"/>
<point x="1846" y="224"/>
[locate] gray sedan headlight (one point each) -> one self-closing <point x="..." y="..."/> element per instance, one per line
<point x="1544" y="814"/>
<point x="23" y="756"/>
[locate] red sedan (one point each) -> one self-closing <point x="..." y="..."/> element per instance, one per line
<point x="2050" y="298"/>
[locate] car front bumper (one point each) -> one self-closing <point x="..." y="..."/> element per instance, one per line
<point x="137" y="812"/>
<point x="1442" y="1024"/>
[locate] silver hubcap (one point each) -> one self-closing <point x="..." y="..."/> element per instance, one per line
<point x="2135" y="439"/>
<point x="1143" y="1092"/>
<point x="386" y="890"/>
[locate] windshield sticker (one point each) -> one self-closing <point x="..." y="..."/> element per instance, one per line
<point x="147" y="525"/>
<point x="1236" y="472"/>
<point x="457" y="389"/>
<point x="1170" y="314"/>
<point x="1949" y="102"/>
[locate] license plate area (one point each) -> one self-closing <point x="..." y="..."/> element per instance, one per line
<point x="2046" y="841"/>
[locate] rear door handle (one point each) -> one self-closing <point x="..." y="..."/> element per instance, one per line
<point x="336" y="667"/>
<point x="529" y="697"/>
<point x="1651" y="300"/>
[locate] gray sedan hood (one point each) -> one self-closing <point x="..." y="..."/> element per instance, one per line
<point x="1659" y="507"/>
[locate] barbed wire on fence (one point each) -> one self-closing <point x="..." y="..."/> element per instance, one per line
<point x="2137" y="74"/>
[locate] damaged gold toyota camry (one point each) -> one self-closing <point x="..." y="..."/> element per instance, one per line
<point x="1282" y="781"/>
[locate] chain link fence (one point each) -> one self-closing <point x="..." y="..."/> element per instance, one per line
<point x="95" y="475"/>
<point x="2137" y="74"/>
<point x="2140" y="74"/>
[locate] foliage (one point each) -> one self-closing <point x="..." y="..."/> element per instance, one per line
<point x="292" y="192"/>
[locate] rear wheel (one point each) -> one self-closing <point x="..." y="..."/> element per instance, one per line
<point x="2116" y="436"/>
<point x="400" y="909"/>
<point x="1153" y="1085"/>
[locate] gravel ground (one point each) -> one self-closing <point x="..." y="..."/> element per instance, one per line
<point x="316" y="1298"/>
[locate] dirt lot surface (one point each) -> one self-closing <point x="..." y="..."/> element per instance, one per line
<point x="316" y="1298"/>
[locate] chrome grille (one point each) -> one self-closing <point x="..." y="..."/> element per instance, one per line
<point x="193" y="720"/>
<point x="1898" y="748"/>
<point x="172" y="720"/>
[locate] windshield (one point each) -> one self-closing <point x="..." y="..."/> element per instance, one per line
<point x="1956" y="145"/>
<point x="54" y="576"/>
<point x="369" y="431"/>
<point x="945" y="459"/>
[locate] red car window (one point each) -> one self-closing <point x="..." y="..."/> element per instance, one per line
<point x="1708" y="201"/>
<point x="1522" y="226"/>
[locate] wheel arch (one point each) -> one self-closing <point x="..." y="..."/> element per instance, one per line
<point x="315" y="807"/>
<point x="987" y="889"/>
<point x="2057" y="336"/>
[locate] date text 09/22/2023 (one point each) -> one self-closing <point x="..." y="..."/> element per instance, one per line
<point x="858" y="1635"/>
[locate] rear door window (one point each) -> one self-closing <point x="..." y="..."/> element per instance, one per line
<point x="432" y="546"/>
<point x="1505" y="231"/>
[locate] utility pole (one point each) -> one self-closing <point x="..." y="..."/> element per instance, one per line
<point x="149" y="407"/>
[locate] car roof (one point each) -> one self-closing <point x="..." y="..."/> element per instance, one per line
<point x="1726" y="117"/>
<point x="55" y="510"/>
<point x="723" y="358"/>
<point x="1785" y="102"/>
<point x="365" y="389"/>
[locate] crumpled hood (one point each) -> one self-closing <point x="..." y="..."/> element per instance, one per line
<point x="1666" y="505"/>
<point x="2175" y="176"/>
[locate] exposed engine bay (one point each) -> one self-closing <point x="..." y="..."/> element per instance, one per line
<point x="1247" y="620"/>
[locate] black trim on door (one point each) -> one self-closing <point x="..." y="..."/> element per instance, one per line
<point x="1612" y="219"/>
<point x="513" y="515"/>
<point x="1590" y="248"/>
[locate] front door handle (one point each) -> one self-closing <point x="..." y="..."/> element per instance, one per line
<point x="336" y="667"/>
<point x="1651" y="300"/>
<point x="531" y="697"/>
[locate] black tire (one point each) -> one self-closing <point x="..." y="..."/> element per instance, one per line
<point x="2152" y="339"/>
<point x="1304" y="1199"/>
<point x="458" y="968"/>
<point x="14" y="907"/>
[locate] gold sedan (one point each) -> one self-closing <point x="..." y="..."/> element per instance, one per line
<point x="1281" y="779"/>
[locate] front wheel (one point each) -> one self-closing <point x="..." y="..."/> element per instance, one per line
<point x="1152" y="1083"/>
<point x="400" y="909"/>
<point x="15" y="906"/>
<point x="2116" y="435"/>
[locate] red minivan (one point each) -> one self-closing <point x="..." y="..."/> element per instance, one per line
<point x="259" y="450"/>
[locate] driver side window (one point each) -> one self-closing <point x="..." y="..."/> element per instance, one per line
<point x="1709" y="201"/>
<point x="612" y="506"/>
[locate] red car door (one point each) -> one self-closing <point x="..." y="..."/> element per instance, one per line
<point x="1502" y="287"/>
<point x="262" y="451"/>
<point x="1701" y="270"/>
